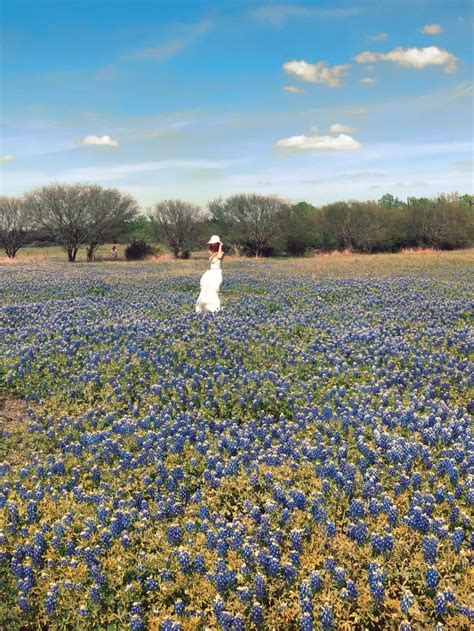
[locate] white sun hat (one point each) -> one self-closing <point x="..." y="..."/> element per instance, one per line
<point x="214" y="239"/>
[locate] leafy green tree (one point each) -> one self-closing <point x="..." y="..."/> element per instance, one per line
<point x="466" y="201"/>
<point x="140" y="228"/>
<point x="416" y="201"/>
<point x="297" y="228"/>
<point x="389" y="201"/>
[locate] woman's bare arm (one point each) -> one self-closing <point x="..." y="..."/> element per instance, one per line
<point x="220" y="252"/>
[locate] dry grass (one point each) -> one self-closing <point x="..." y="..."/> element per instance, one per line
<point x="56" y="253"/>
<point x="14" y="438"/>
<point x="406" y="262"/>
<point x="426" y="262"/>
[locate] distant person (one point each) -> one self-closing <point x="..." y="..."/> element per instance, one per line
<point x="114" y="253"/>
<point x="211" y="280"/>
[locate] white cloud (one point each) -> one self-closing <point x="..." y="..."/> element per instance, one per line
<point x="398" y="150"/>
<point x="380" y="37"/>
<point x="341" y="142"/>
<point x="314" y="129"/>
<point x="432" y="29"/>
<point x="95" y="140"/>
<point x="413" y="57"/>
<point x="171" y="48"/>
<point x="277" y="14"/>
<point x="170" y="129"/>
<point x="6" y="158"/>
<point x="15" y="182"/>
<point x="112" y="172"/>
<point x="463" y="165"/>
<point x="158" y="53"/>
<point x="293" y="89"/>
<point x="357" y="110"/>
<point x="370" y="68"/>
<point x="411" y="184"/>
<point x="367" y="80"/>
<point x="319" y="72"/>
<point x="338" y="128"/>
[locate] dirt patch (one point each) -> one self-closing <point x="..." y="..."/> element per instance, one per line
<point x="14" y="438"/>
<point x="12" y="411"/>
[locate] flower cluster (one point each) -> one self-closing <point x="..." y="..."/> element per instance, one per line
<point x="299" y="460"/>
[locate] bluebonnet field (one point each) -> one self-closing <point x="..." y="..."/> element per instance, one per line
<point x="298" y="461"/>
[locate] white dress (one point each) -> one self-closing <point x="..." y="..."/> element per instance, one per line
<point x="211" y="280"/>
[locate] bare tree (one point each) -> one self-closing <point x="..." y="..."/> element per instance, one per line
<point x="107" y="212"/>
<point x="346" y="223"/>
<point x="62" y="210"/>
<point x="255" y="217"/>
<point x="176" y="222"/>
<point x="13" y="224"/>
<point x="80" y="214"/>
<point x="443" y="222"/>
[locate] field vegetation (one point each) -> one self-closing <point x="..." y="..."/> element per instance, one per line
<point x="299" y="460"/>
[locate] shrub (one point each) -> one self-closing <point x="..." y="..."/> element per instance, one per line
<point x="138" y="250"/>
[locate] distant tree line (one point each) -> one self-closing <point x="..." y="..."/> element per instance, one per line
<point x="89" y="215"/>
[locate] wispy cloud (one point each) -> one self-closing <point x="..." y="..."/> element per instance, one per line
<point x="380" y="37"/>
<point x="6" y="158"/>
<point x="463" y="165"/>
<point x="318" y="72"/>
<point x="418" y="58"/>
<point x="171" y="128"/>
<point x="117" y="171"/>
<point x="397" y="150"/>
<point x="341" y="142"/>
<point x="292" y="89"/>
<point x="357" y="110"/>
<point x="338" y="128"/>
<point x="170" y="48"/>
<point x="16" y="181"/>
<point x="411" y="184"/>
<point x="105" y="141"/>
<point x="278" y="14"/>
<point x="336" y="177"/>
<point x="435" y="99"/>
<point x="432" y="29"/>
<point x="363" y="175"/>
<point x="367" y="80"/>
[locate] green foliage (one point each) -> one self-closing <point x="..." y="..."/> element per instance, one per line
<point x="250" y="224"/>
<point x="297" y="228"/>
<point x="138" y="229"/>
<point x="389" y="201"/>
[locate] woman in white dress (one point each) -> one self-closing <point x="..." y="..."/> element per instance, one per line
<point x="211" y="280"/>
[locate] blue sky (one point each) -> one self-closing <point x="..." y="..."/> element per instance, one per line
<point x="314" y="101"/>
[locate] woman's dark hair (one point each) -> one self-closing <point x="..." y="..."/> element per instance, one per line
<point x="214" y="247"/>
